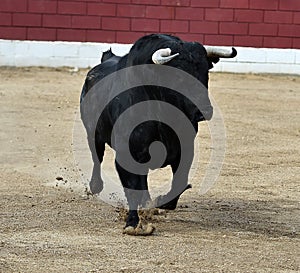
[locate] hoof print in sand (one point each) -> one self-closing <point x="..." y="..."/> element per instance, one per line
<point x="139" y="230"/>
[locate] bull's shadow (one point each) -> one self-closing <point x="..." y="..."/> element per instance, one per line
<point x="270" y="218"/>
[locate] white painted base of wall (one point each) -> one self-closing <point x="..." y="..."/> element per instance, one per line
<point x="83" y="55"/>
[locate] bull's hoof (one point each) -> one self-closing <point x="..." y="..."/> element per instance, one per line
<point x="139" y="230"/>
<point x="96" y="185"/>
<point x="171" y="205"/>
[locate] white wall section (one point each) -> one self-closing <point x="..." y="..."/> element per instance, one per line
<point x="82" y="55"/>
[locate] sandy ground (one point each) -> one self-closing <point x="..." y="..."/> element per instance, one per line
<point x="248" y="222"/>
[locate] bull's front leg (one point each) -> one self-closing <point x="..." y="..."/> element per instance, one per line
<point x="136" y="192"/>
<point x="179" y="186"/>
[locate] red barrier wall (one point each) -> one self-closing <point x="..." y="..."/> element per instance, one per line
<point x="255" y="23"/>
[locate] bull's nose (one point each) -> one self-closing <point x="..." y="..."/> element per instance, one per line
<point x="207" y="112"/>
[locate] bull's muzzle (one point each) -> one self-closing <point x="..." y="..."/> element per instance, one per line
<point x="207" y="112"/>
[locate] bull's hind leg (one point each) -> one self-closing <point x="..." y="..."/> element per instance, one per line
<point x="96" y="183"/>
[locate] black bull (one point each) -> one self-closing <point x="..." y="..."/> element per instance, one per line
<point x="142" y="142"/>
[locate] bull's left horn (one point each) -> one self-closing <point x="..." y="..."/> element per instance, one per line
<point x="163" y="55"/>
<point x="214" y="51"/>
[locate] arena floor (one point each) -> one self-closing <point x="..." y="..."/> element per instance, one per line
<point x="248" y="222"/>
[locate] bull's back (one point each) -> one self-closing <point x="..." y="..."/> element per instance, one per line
<point x="99" y="72"/>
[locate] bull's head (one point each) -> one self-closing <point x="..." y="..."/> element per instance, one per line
<point x="196" y="60"/>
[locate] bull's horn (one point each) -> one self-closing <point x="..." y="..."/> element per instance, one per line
<point x="163" y="55"/>
<point x="214" y="51"/>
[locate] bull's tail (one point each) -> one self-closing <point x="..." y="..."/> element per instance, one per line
<point x="83" y="91"/>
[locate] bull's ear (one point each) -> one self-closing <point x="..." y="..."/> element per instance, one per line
<point x="211" y="61"/>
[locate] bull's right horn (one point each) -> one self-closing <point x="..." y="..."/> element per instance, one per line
<point x="214" y="51"/>
<point x="163" y="55"/>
